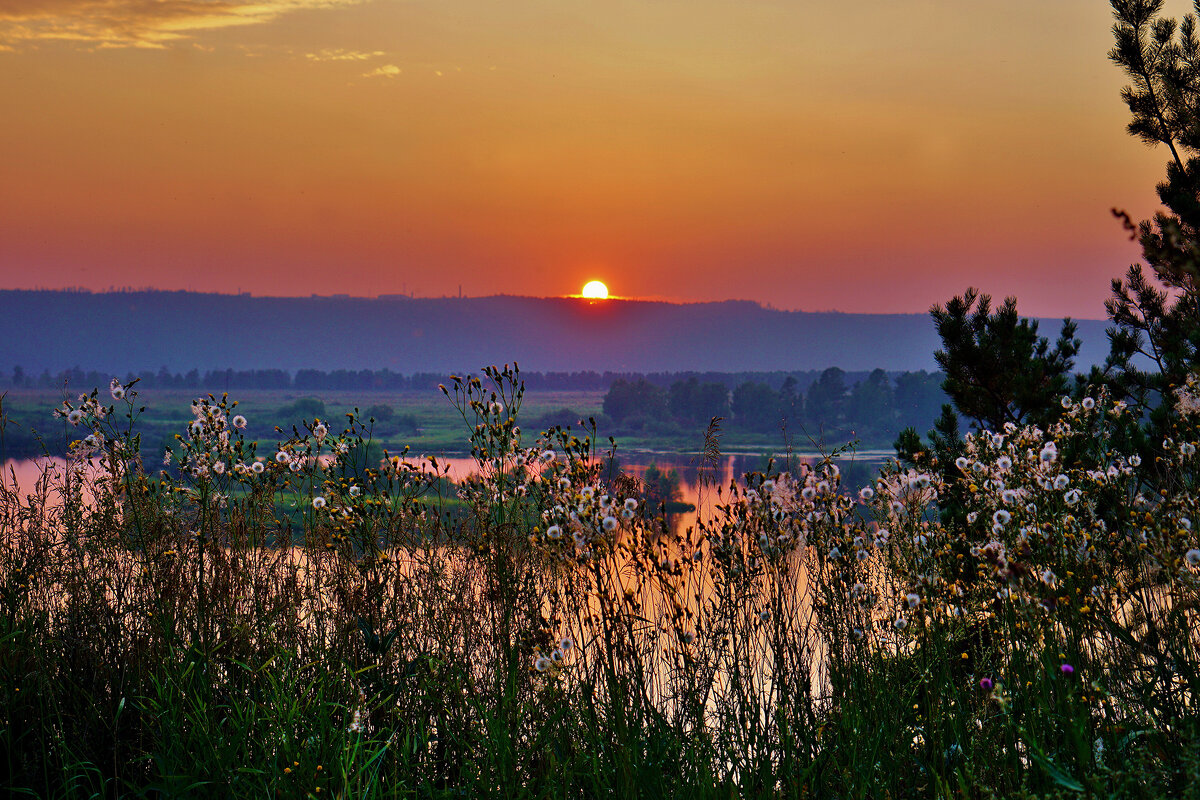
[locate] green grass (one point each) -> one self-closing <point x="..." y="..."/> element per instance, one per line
<point x="159" y="642"/>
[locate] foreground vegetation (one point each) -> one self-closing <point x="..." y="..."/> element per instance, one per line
<point x="160" y="639"/>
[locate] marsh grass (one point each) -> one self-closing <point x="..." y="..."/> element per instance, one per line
<point x="333" y="623"/>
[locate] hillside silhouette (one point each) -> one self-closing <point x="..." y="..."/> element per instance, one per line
<point x="145" y="330"/>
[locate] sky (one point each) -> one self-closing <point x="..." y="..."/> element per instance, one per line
<point x="866" y="156"/>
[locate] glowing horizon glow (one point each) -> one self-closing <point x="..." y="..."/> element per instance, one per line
<point x="594" y="290"/>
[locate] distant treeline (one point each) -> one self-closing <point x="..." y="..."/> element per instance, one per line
<point x="385" y="380"/>
<point x="873" y="408"/>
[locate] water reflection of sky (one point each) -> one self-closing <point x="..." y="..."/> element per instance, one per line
<point x="857" y="471"/>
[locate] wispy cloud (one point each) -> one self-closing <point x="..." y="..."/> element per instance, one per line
<point x="386" y="71"/>
<point x="135" y="23"/>
<point x="343" y="55"/>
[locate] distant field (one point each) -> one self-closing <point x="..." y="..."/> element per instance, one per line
<point x="424" y="420"/>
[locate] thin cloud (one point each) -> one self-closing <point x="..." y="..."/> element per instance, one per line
<point x="136" y="23"/>
<point x="343" y="55"/>
<point x="386" y="71"/>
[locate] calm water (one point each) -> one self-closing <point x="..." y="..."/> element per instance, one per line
<point x="23" y="474"/>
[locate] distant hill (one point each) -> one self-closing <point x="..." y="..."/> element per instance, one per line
<point x="145" y="330"/>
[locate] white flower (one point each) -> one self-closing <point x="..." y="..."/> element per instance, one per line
<point x="564" y="482"/>
<point x="610" y="523"/>
<point x="631" y="504"/>
<point x="587" y="492"/>
<point x="1088" y="403"/>
<point x="962" y="462"/>
<point x="239" y="421"/>
<point x="1004" y="463"/>
<point x="768" y="486"/>
<point x="117" y="390"/>
<point x="1185" y="523"/>
<point x="808" y="493"/>
<point x="75" y="416"/>
<point x="318" y="502"/>
<point x="1009" y="496"/>
<point x="1049" y="453"/>
<point x="1072" y="497"/>
<point x="1187" y="449"/>
<point x="557" y="655"/>
<point x="913" y="599"/>
<point x="295" y="465"/>
<point x="547" y="456"/>
<point x="258" y="467"/>
<point x="627" y="513"/>
<point x="1192" y="557"/>
<point x="866" y="494"/>
<point x="282" y="457"/>
<point x="900" y="624"/>
<point x="554" y="532"/>
<point x="1135" y="461"/>
<point x="1061" y="481"/>
<point x="835" y="554"/>
<point x="565" y="644"/>
<point x="355" y="491"/>
<point x="219" y="467"/>
<point x="1049" y="578"/>
<point x="542" y="664"/>
<point x="1066" y="402"/>
<point x="1001" y="517"/>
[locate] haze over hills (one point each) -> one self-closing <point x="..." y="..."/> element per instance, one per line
<point x="145" y="330"/>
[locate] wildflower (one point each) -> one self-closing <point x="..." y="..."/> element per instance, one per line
<point x="587" y="492"/>
<point x="1067" y="669"/>
<point x="1192" y="557"/>
<point x="1185" y="523"/>
<point x="318" y="502"/>
<point x="986" y="684"/>
<point x="565" y="644"/>
<point x="962" y="462"/>
<point x="768" y="486"/>
<point x="554" y="532"/>
<point x="355" y="491"/>
<point x="542" y="664"/>
<point x="116" y="390"/>
<point x="808" y="493"/>
<point x="1061" y="481"/>
<point x="900" y="624"/>
<point x="1009" y="496"/>
<point x="1072" y="497"/>
<point x="866" y="494"/>
<point x="1049" y="453"/>
<point x="631" y="504"/>
<point x="547" y="456"/>
<point x="295" y="465"/>
<point x="1004" y="463"/>
<point x="610" y="523"/>
<point x="627" y="513"/>
<point x="557" y="655"/>
<point x="75" y="416"/>
<point x="320" y="431"/>
<point x="1066" y="402"/>
<point x="835" y="554"/>
<point x="1187" y="449"/>
<point x="219" y="467"/>
<point x="913" y="599"/>
<point x="1135" y="460"/>
<point x="823" y="487"/>
<point x="258" y="467"/>
<point x="861" y="555"/>
<point x="282" y="457"/>
<point x="564" y="482"/>
<point x="1088" y="403"/>
<point x="239" y="421"/>
<point x="688" y="637"/>
<point x="1049" y="578"/>
<point x="1001" y="517"/>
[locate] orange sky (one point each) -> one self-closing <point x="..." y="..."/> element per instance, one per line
<point x="863" y="156"/>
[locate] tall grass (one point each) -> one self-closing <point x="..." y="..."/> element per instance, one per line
<point x="299" y="622"/>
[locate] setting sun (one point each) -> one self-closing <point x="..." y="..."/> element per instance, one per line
<point x="595" y="290"/>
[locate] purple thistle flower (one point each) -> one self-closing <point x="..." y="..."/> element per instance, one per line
<point x="1067" y="669"/>
<point x="986" y="684"/>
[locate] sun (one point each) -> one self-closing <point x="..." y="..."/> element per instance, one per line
<point x="595" y="290"/>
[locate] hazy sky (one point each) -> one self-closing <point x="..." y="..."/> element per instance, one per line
<point x="871" y="155"/>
